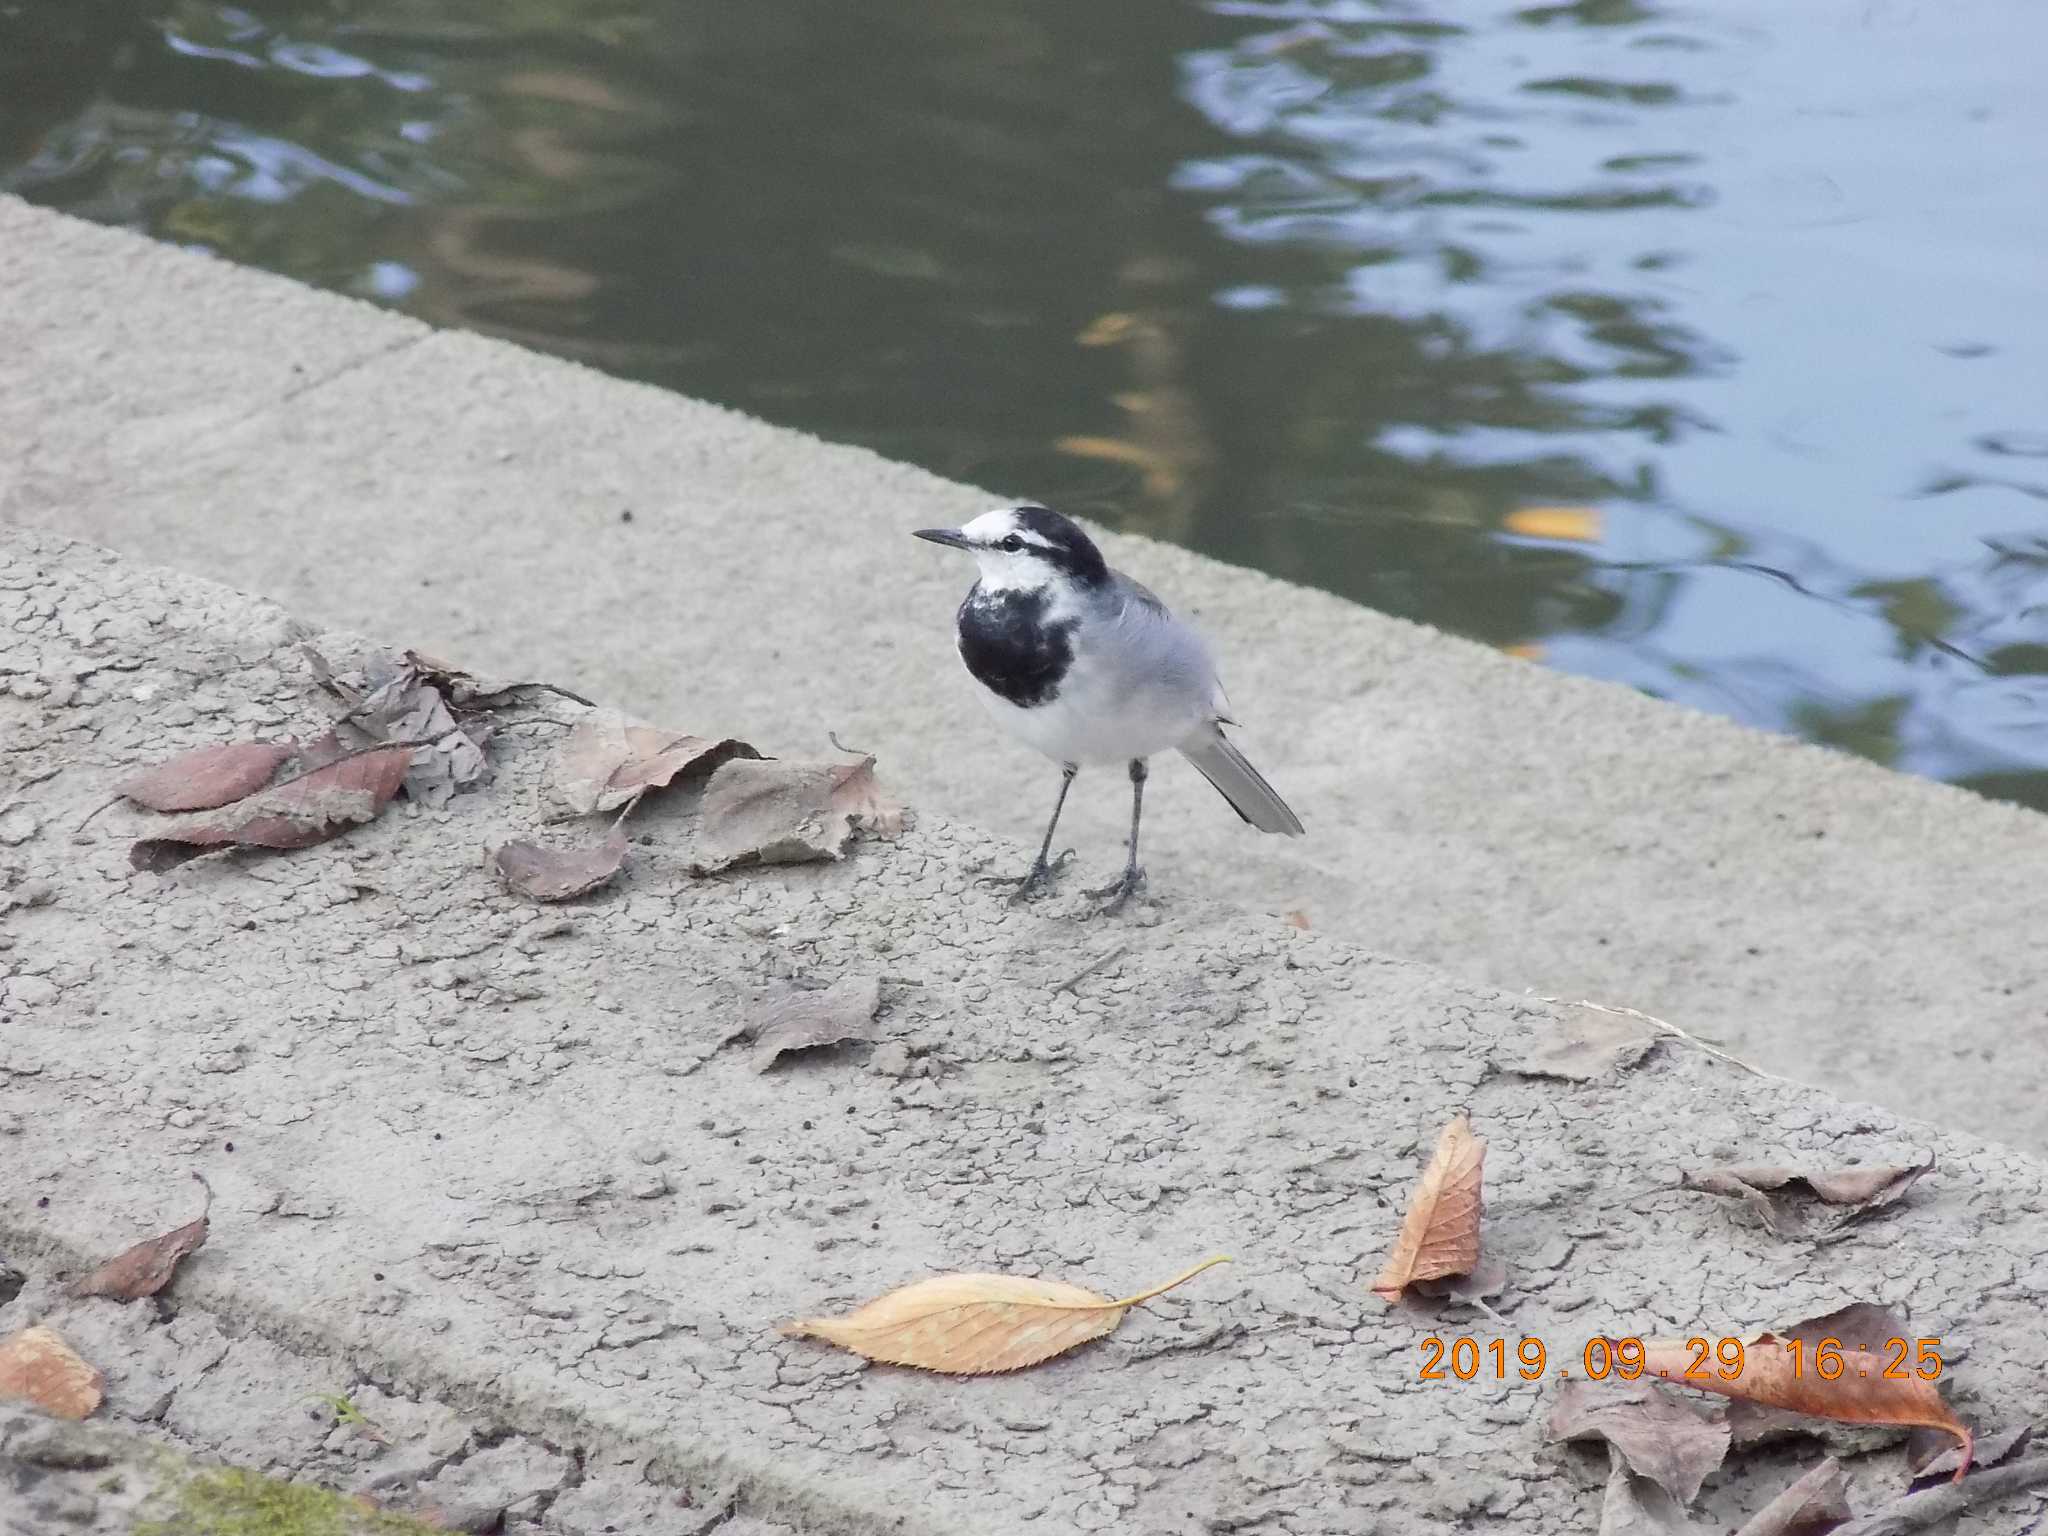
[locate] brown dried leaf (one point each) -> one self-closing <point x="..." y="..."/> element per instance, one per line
<point x="788" y="813"/>
<point x="1813" y="1506"/>
<point x="1932" y="1456"/>
<point x="858" y="796"/>
<point x="36" y="1364"/>
<point x="296" y="813"/>
<point x="973" y="1325"/>
<point x="206" y="777"/>
<point x="800" y="1021"/>
<point x="1440" y="1233"/>
<point x="1635" y="1506"/>
<point x="1658" y="1436"/>
<point x="1769" y="1191"/>
<point x="606" y="761"/>
<point x="1587" y="1043"/>
<point x="1772" y="1375"/>
<point x="556" y="874"/>
<point x="146" y="1268"/>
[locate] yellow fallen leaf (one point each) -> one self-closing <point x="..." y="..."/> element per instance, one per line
<point x="1106" y="330"/>
<point x="38" y="1365"/>
<point x="972" y="1325"/>
<point x="1440" y="1233"/>
<point x="1161" y="478"/>
<point x="1526" y="650"/>
<point x="1573" y="525"/>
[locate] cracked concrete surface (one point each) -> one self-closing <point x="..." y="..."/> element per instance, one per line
<point x="485" y="1168"/>
<point x="1815" y="913"/>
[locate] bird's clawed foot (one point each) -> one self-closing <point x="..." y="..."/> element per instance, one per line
<point x="1119" y="891"/>
<point x="1034" y="883"/>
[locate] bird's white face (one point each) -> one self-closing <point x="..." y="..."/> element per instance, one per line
<point x="1012" y="557"/>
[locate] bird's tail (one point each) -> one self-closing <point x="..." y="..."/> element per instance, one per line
<point x="1239" y="782"/>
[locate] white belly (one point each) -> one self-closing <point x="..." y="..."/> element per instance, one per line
<point x="1097" y="718"/>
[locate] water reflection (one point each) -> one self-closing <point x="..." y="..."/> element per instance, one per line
<point x="1324" y="286"/>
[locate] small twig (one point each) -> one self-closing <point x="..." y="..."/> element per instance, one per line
<point x="833" y="737"/>
<point x="1115" y="953"/>
<point x="208" y="1211"/>
<point x="483" y="700"/>
<point x="116" y="800"/>
<point x="1668" y="1030"/>
<point x="1918" y="1511"/>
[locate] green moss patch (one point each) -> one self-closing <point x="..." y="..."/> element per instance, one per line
<point x="233" y="1501"/>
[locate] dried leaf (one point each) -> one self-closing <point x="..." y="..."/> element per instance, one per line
<point x="1770" y="1191"/>
<point x="1771" y="1372"/>
<point x="1488" y="1278"/>
<point x="406" y="704"/>
<point x="1440" y="1233"/>
<point x="858" y="795"/>
<point x="1659" y="1437"/>
<point x="296" y="813"/>
<point x="1932" y="1456"/>
<point x="973" y="1325"/>
<point x="1587" y="1043"/>
<point x="788" y="813"/>
<point x="38" y="1365"/>
<point x="206" y="777"/>
<point x="606" y="761"/>
<point x="800" y="1021"/>
<point x="146" y="1268"/>
<point x="1813" y="1506"/>
<point x="556" y="874"/>
<point x="1635" y="1506"/>
<point x="1569" y="525"/>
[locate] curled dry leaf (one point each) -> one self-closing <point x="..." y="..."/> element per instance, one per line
<point x="1813" y="1506"/>
<point x="1440" y="1233"/>
<point x="1933" y="1457"/>
<point x="295" y="813"/>
<point x="147" y="1268"/>
<point x="406" y="704"/>
<point x="801" y="1021"/>
<point x="556" y="874"/>
<point x="1658" y="1437"/>
<point x="1768" y="1191"/>
<point x="788" y="813"/>
<point x="1784" y="1371"/>
<point x="856" y="795"/>
<point x="606" y="761"/>
<point x="974" y="1325"/>
<point x="37" y="1365"/>
<point x="206" y="777"/>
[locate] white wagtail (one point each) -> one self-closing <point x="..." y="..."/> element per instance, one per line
<point x="1085" y="665"/>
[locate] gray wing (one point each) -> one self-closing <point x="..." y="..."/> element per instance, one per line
<point x="1163" y="647"/>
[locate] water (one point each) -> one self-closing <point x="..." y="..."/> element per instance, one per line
<point x="1698" y="347"/>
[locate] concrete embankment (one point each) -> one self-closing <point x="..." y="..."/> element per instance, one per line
<point x="498" y="1177"/>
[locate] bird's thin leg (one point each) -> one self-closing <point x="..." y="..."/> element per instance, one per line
<point x="1120" y="891"/>
<point x="1042" y="868"/>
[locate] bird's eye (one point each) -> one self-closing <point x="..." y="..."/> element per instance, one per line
<point x="1011" y="544"/>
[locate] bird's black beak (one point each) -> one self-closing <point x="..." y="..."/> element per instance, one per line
<point x="952" y="536"/>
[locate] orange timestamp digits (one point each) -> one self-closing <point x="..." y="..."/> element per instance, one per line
<point x="1629" y="1359"/>
<point x="1468" y="1358"/>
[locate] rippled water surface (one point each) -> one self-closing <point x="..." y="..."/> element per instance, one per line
<point x="1700" y="347"/>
